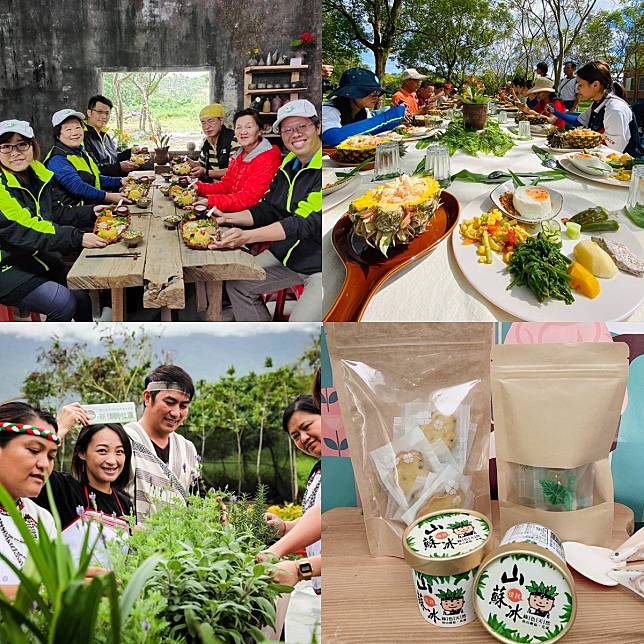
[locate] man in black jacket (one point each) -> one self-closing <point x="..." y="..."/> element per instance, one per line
<point x="99" y="144"/>
<point x="216" y="149"/>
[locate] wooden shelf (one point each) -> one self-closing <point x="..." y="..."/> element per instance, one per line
<point x="275" y="68"/>
<point x="285" y="90"/>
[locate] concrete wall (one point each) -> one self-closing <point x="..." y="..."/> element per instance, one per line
<point x="52" y="51"/>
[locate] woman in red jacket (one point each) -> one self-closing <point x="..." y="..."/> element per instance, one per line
<point x="250" y="172"/>
<point x="546" y="94"/>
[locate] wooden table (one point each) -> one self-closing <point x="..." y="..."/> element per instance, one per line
<point x="164" y="266"/>
<point x="372" y="599"/>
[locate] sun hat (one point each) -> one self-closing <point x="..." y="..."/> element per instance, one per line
<point x="357" y="82"/>
<point x="19" y="127"/>
<point x="412" y="74"/>
<point x="215" y="110"/>
<point x="63" y="115"/>
<point x="542" y="84"/>
<point x="301" y="107"/>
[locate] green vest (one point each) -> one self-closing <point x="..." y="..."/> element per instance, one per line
<point x="83" y="164"/>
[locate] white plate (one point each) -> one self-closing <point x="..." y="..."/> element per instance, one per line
<point x="347" y="190"/>
<point x="339" y="185"/>
<point x="569" y="150"/>
<point x="619" y="296"/>
<point x="568" y="165"/>
<point x="556" y="200"/>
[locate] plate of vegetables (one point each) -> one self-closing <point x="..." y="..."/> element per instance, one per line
<point x="612" y="169"/>
<point x="582" y="265"/>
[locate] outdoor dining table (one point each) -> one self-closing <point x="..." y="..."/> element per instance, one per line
<point x="162" y="264"/>
<point x="434" y="288"/>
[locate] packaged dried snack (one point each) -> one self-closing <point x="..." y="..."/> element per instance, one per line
<point x="415" y="406"/>
<point x="556" y="413"/>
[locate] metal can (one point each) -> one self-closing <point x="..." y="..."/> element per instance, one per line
<point x="524" y="591"/>
<point x="444" y="550"/>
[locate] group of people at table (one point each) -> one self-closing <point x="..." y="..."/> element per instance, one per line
<point x="131" y="471"/>
<point x="48" y="208"/>
<point x="347" y="111"/>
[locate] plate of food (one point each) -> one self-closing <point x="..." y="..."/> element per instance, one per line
<point x="423" y="119"/>
<point x="613" y="169"/>
<point x="358" y="150"/>
<point x="528" y="204"/>
<point x="383" y="230"/>
<point x="110" y="227"/>
<point x="580" y="266"/>
<point x="579" y="140"/>
<point x="410" y="133"/>
<point x="333" y="181"/>
<point x="199" y="233"/>
<point x="180" y="167"/>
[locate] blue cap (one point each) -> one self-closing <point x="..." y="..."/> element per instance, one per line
<point x="357" y="83"/>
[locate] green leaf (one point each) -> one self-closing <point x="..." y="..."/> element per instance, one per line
<point x="481" y="585"/>
<point x="136" y="584"/>
<point x="502" y="629"/>
<point x="566" y="613"/>
<point x="515" y="179"/>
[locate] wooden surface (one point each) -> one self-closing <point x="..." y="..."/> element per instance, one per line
<point x="372" y="599"/>
<point x="164" y="265"/>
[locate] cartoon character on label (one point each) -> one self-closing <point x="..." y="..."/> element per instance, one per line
<point x="462" y="528"/>
<point x="542" y="598"/>
<point x="452" y="601"/>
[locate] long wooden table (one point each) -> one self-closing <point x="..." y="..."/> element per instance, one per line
<point x="163" y="267"/>
<point x="372" y="599"/>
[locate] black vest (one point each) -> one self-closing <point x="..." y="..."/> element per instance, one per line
<point x="596" y="123"/>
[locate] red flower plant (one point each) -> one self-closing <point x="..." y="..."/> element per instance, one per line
<point x="307" y="38"/>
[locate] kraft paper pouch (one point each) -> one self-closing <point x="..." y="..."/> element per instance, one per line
<point x="556" y="411"/>
<point x="415" y="401"/>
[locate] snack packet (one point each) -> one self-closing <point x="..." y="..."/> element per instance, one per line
<point x="418" y="393"/>
<point x="556" y="414"/>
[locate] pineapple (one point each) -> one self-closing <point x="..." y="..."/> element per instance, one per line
<point x="533" y="119"/>
<point x="356" y="149"/>
<point x="581" y="138"/>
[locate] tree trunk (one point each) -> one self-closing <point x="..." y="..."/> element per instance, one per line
<point x="261" y="440"/>
<point x="239" y="462"/>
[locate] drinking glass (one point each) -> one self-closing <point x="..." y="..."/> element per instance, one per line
<point x="494" y="108"/>
<point x="449" y="113"/>
<point x="636" y="187"/>
<point x="503" y="116"/>
<point x="524" y="130"/>
<point x="437" y="164"/>
<point x="387" y="164"/>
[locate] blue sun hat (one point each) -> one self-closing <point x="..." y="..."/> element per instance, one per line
<point x="357" y="82"/>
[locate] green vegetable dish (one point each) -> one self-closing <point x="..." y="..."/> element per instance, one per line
<point x="492" y="140"/>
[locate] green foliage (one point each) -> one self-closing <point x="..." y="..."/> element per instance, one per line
<point x="550" y="635"/>
<point x="455" y="593"/>
<point x="502" y="629"/>
<point x="531" y="558"/>
<point x="54" y="604"/>
<point x="459" y="524"/>
<point x="557" y="494"/>
<point x="481" y="585"/>
<point x="540" y="588"/>
<point x="411" y="544"/>
<point x="566" y="614"/>
<point x="211" y="587"/>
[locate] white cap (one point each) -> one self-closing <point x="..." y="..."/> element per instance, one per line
<point x="63" y="115"/>
<point x="301" y="107"/>
<point x="413" y="74"/>
<point x="19" y="127"/>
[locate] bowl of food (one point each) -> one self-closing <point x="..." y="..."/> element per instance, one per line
<point x="167" y="176"/>
<point x="144" y="202"/>
<point x="171" y="221"/>
<point x="165" y="190"/>
<point x="132" y="238"/>
<point x="122" y="211"/>
<point x="526" y="203"/>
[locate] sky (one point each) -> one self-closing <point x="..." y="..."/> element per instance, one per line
<point x="392" y="68"/>
<point x="205" y="350"/>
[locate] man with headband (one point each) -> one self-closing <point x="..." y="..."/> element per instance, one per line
<point x="165" y="465"/>
<point x="216" y="149"/>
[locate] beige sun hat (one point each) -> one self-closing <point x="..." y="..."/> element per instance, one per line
<point x="542" y="84"/>
<point x="413" y="74"/>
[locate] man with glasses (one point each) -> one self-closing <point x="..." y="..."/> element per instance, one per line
<point x="289" y="218"/>
<point x="100" y="145"/>
<point x="216" y="149"/>
<point x="348" y="111"/>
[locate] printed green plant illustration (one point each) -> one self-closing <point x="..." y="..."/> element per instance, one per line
<point x="481" y="585"/>
<point x="459" y="524"/>
<point x="557" y="494"/>
<point x="411" y="544"/>
<point x="550" y="634"/>
<point x="566" y="614"/>
<point x="531" y="558"/>
<point x="502" y="629"/>
<point x="446" y="595"/>
<point x="541" y="589"/>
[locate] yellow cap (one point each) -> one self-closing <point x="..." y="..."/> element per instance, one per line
<point x="214" y="109"/>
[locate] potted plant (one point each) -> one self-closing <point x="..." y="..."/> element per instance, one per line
<point x="475" y="104"/>
<point x="299" y="43"/>
<point x="162" y="146"/>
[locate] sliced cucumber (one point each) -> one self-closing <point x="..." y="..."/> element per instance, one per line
<point x="573" y="230"/>
<point x="551" y="231"/>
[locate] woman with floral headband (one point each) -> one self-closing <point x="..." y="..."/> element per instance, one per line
<point x="100" y="470"/>
<point x="28" y="447"/>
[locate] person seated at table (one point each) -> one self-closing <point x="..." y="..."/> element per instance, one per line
<point x="250" y="172"/>
<point x="406" y="95"/>
<point x="28" y="447"/>
<point x="35" y="231"/>
<point x="349" y="111"/>
<point x="546" y="95"/>
<point x="77" y="178"/>
<point x="100" y="469"/>
<point x="427" y="96"/>
<point x="100" y="145"/>
<point x="290" y="218"/>
<point x="216" y="148"/>
<point x="440" y="93"/>
<point x="609" y="113"/>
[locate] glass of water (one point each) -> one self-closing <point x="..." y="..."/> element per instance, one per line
<point x="503" y="116"/>
<point x="636" y="187"/>
<point x="387" y="164"/>
<point x="437" y="164"/>
<point x="493" y="107"/>
<point x="524" y="131"/>
<point x="449" y="113"/>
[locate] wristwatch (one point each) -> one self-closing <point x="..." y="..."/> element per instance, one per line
<point x="304" y="569"/>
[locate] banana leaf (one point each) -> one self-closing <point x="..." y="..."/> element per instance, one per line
<point x="475" y="177"/>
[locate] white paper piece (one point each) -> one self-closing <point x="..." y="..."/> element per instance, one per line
<point x="74" y="536"/>
<point x="123" y="412"/>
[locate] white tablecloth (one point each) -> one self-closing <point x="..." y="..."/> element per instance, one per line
<point x="434" y="289"/>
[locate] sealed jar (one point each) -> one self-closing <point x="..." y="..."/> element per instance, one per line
<point x="444" y="550"/>
<point x="524" y="590"/>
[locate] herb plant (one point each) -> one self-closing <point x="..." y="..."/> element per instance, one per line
<point x="491" y="140"/>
